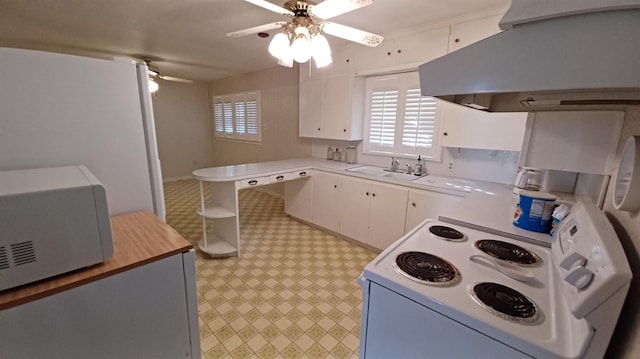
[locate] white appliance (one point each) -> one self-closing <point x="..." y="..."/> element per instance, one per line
<point x="64" y="110"/>
<point x="53" y="220"/>
<point x="568" y="310"/>
<point x="552" y="56"/>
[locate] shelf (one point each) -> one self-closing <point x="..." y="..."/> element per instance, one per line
<point x="215" y="212"/>
<point x="217" y="247"/>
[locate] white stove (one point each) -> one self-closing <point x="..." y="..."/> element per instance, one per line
<point x="568" y="310"/>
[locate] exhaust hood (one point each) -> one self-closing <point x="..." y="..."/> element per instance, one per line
<point x="573" y="61"/>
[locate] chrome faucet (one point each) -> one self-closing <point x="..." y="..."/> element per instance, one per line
<point x="394" y="164"/>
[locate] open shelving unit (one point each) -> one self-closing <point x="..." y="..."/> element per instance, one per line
<point x="219" y="213"/>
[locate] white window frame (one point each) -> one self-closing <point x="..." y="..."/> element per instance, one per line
<point x="406" y="86"/>
<point x="237" y="116"/>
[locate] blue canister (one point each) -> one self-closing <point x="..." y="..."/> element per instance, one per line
<point x="533" y="211"/>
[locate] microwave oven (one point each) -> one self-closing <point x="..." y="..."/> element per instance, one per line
<point x="52" y="221"/>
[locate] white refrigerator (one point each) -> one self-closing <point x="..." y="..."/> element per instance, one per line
<point x="60" y="110"/>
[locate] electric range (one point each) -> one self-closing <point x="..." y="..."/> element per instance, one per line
<point x="425" y="298"/>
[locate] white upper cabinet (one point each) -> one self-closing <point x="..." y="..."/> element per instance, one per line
<point x="402" y="52"/>
<point x="467" y="128"/>
<point x="330" y="105"/>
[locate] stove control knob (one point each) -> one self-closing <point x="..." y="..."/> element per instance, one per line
<point x="573" y="260"/>
<point x="579" y="277"/>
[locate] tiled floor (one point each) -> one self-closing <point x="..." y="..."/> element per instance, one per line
<point x="292" y="293"/>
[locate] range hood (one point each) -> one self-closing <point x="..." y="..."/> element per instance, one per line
<point x="573" y="61"/>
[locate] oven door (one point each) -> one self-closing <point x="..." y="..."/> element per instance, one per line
<point x="396" y="327"/>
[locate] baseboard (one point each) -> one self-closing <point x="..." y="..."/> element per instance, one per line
<point x="182" y="178"/>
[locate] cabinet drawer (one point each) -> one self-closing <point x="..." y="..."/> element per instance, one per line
<point x="253" y="182"/>
<point x="281" y="177"/>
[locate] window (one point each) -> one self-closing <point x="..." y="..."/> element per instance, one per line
<point x="399" y="121"/>
<point x="237" y="116"/>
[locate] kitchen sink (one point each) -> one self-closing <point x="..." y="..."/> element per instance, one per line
<point x="384" y="172"/>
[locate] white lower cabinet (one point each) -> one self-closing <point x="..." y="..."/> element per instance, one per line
<point x="426" y="204"/>
<point x="372" y="212"/>
<point x="326" y="200"/>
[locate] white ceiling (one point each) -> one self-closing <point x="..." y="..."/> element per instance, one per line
<point x="188" y="36"/>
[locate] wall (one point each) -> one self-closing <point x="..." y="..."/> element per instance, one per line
<point x="183" y="130"/>
<point x="626" y="340"/>
<point x="279" y="110"/>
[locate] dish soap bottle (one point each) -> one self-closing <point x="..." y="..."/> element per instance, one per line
<point x="418" y="170"/>
<point x="330" y="153"/>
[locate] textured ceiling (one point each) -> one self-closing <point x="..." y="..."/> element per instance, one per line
<point x="187" y="37"/>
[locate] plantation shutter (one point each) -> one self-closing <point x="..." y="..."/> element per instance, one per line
<point x="237" y="116"/>
<point x="399" y="120"/>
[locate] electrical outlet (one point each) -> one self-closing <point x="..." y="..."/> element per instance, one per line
<point x="451" y="166"/>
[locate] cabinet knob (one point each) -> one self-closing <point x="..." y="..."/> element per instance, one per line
<point x="446" y="134"/>
<point x="367" y="193"/>
<point x="335" y="186"/>
<point x="389" y="53"/>
<point x="399" y="51"/>
<point x="344" y="130"/>
<point x="413" y="204"/>
<point x="318" y="128"/>
<point x="373" y="194"/>
<point x="456" y="40"/>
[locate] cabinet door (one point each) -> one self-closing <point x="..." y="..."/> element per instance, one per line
<point x="354" y="208"/>
<point x="367" y="58"/>
<point x="336" y="107"/>
<point x="421" y="47"/>
<point x="386" y="215"/>
<point x="298" y="197"/>
<point x="426" y="204"/>
<point x="310" y="120"/>
<point x="468" y="128"/>
<point x="326" y="199"/>
<point x="466" y="33"/>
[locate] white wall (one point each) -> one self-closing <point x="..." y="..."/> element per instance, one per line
<point x="183" y="130"/>
<point x="279" y="115"/>
<point x="626" y="340"/>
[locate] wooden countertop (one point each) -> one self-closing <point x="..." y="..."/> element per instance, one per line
<point x="138" y="238"/>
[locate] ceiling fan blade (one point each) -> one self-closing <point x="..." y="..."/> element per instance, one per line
<point x="257" y="29"/>
<point x="330" y="8"/>
<point x="271" y="7"/>
<point x="175" y="79"/>
<point x="352" y="34"/>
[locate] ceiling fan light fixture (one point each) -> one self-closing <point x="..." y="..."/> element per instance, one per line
<point x="153" y="86"/>
<point x="279" y="46"/>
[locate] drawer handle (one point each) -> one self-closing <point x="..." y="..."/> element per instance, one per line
<point x="253" y="182"/>
<point x="302" y="174"/>
<point x="279" y="178"/>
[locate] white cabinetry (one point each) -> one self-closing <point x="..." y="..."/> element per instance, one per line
<point x="326" y="201"/>
<point x="468" y="128"/>
<point x="426" y="204"/>
<point x="372" y="212"/>
<point x="331" y="104"/>
<point x="402" y="52"/>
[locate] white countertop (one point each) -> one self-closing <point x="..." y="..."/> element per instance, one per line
<point x="448" y="185"/>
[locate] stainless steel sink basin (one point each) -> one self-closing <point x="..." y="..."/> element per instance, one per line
<point x="383" y="172"/>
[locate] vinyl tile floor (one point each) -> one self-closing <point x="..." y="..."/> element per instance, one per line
<point x="291" y="294"/>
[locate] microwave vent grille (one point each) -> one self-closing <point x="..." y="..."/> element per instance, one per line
<point x="23" y="253"/>
<point x="4" y="259"/>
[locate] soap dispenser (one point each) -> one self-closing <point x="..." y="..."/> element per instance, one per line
<point x="418" y="169"/>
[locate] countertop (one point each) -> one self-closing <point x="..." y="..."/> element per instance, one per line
<point x="138" y="238"/>
<point x="437" y="183"/>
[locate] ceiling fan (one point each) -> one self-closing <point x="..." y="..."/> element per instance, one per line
<point x="301" y="37"/>
<point x="154" y="73"/>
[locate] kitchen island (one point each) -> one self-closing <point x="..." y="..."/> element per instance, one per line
<point x="140" y="303"/>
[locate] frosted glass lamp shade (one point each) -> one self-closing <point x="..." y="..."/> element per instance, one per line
<point x="301" y="48"/>
<point x="153" y="86"/>
<point x="279" y="45"/>
<point x="321" y="51"/>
